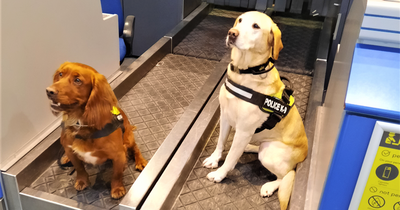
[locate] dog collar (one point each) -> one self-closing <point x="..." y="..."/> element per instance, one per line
<point x="116" y="122"/>
<point x="256" y="70"/>
<point x="277" y="105"/>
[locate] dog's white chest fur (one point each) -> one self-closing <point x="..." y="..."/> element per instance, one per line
<point x="87" y="157"/>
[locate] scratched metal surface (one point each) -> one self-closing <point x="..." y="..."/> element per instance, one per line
<point x="153" y="105"/>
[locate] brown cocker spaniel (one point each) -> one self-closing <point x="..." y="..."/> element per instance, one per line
<point x="94" y="128"/>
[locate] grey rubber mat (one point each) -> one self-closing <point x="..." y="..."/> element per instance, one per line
<point x="241" y="188"/>
<point x="207" y="40"/>
<point x="153" y="105"/>
<point x="300" y="42"/>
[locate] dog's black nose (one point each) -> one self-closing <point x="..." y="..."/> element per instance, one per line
<point x="51" y="93"/>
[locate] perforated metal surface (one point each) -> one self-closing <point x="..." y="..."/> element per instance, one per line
<point x="240" y="189"/>
<point x="153" y="105"/>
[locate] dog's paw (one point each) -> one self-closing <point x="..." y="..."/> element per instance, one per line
<point x="267" y="189"/>
<point x="216" y="176"/>
<point x="81" y="184"/>
<point x="64" y="159"/>
<point x="141" y="164"/>
<point x="211" y="162"/>
<point x="118" y="192"/>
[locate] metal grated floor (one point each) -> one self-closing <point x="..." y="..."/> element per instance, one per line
<point x="153" y="105"/>
<point x="240" y="189"/>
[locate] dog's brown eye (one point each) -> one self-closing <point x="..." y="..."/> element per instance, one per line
<point x="78" y="81"/>
<point x="240" y="20"/>
<point x="60" y="74"/>
<point x="256" y="26"/>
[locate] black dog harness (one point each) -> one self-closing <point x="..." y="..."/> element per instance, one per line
<point x="277" y="105"/>
<point x="109" y="128"/>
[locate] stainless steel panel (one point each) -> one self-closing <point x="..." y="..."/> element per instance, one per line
<point x="169" y="185"/>
<point x="331" y="113"/>
<point x="189" y="6"/>
<point x="298" y="198"/>
<point x="11" y="191"/>
<point x="29" y="168"/>
<point x="144" y="183"/>
<point x="36" y="200"/>
<point x="2" y="204"/>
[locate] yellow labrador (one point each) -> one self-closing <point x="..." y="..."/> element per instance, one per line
<point x="255" y="39"/>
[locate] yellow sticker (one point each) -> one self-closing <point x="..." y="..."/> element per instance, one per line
<point x="382" y="190"/>
<point x="115" y="111"/>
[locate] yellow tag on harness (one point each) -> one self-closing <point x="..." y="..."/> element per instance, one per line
<point x="115" y="111"/>
<point x="291" y="99"/>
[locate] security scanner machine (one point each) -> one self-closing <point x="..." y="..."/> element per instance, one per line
<point x="166" y="62"/>
<point x="365" y="163"/>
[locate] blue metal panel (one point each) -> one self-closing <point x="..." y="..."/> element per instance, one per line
<point x="1" y="192"/>
<point x="346" y="162"/>
<point x="374" y="83"/>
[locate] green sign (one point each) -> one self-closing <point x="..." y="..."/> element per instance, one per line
<point x="382" y="190"/>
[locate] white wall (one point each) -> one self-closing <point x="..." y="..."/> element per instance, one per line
<point x="36" y="37"/>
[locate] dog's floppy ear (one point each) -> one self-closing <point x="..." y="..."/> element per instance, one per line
<point x="236" y="22"/>
<point x="276" y="41"/>
<point x="100" y="103"/>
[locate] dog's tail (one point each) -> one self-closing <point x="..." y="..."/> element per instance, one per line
<point x="285" y="189"/>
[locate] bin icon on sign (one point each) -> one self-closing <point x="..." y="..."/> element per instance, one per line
<point x="386" y="172"/>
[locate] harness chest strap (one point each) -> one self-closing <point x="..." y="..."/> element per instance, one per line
<point x="277" y="105"/>
<point x="116" y="122"/>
